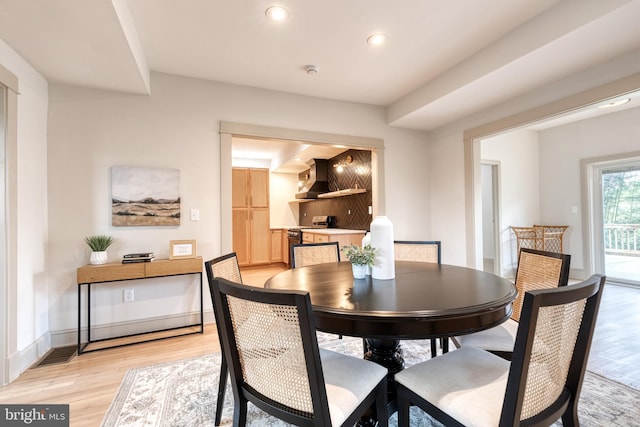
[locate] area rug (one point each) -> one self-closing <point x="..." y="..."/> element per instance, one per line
<point x="183" y="393"/>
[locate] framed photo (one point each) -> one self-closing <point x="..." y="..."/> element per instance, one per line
<point x="180" y="249"/>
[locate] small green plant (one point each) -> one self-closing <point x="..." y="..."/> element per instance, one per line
<point x="99" y="243"/>
<point x="360" y="255"/>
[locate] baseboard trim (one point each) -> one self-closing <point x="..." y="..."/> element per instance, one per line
<point x="70" y="336"/>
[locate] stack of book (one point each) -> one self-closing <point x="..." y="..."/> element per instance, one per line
<point x="140" y="257"/>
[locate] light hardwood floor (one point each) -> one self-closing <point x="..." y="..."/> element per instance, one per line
<point x="89" y="383"/>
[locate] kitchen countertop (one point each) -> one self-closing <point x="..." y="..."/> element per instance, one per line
<point x="333" y="231"/>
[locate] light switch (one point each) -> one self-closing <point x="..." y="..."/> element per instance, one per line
<point x="195" y="214"/>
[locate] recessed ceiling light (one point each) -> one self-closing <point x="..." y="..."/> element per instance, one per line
<point x="277" y="13"/>
<point x="615" y="103"/>
<point x="376" y="39"/>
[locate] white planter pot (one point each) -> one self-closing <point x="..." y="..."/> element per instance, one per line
<point x="98" y="258"/>
<point x="359" y="271"/>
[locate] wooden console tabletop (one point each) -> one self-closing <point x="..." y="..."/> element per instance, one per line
<point x="117" y="272"/>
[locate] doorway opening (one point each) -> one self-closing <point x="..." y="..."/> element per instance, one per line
<point x="491" y="260"/>
<point x="616" y="212"/>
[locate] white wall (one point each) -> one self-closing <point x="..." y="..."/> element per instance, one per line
<point x="561" y="150"/>
<point x="29" y="323"/>
<point x="449" y="213"/>
<point x="282" y="187"/>
<point x="519" y="195"/>
<point x="177" y="126"/>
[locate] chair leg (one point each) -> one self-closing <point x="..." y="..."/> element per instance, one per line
<point x="222" y="387"/>
<point x="403" y="408"/>
<point x="444" y="342"/>
<point x="434" y="350"/>
<point x="570" y="416"/>
<point x="381" y="405"/>
<point x="365" y="347"/>
<point x="240" y="413"/>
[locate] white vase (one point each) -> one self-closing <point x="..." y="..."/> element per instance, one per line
<point x="98" y="258"/>
<point x="382" y="239"/>
<point x="359" y="270"/>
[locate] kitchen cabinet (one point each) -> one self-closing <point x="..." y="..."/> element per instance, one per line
<point x="277" y="245"/>
<point x="251" y="225"/>
<point x="342" y="236"/>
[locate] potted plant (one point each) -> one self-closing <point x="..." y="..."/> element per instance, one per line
<point x="99" y="244"/>
<point x="361" y="257"/>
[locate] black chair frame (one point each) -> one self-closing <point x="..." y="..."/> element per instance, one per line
<point x="222" y="383"/>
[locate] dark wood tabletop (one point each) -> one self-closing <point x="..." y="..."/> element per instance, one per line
<point x="425" y="300"/>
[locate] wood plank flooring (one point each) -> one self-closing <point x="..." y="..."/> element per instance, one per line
<point x="90" y="382"/>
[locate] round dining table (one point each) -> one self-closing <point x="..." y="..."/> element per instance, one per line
<point x="424" y="300"/>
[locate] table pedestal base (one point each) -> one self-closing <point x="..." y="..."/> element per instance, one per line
<point x="387" y="353"/>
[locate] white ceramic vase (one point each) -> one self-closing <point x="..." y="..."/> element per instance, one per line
<point x="359" y="270"/>
<point x="98" y="258"/>
<point x="382" y="239"/>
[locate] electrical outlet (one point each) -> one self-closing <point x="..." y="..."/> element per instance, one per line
<point x="128" y="296"/>
<point x="195" y="215"/>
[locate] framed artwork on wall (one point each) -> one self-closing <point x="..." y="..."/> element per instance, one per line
<point x="145" y="196"/>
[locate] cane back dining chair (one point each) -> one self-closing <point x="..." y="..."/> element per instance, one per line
<point x="304" y="254"/>
<point x="421" y="251"/>
<point x="536" y="270"/>
<point x="225" y="266"/>
<point x="270" y="343"/>
<point x="542" y="383"/>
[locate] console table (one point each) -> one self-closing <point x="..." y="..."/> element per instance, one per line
<point x="118" y="272"/>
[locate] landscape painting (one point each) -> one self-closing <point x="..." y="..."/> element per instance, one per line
<point x="145" y="196"/>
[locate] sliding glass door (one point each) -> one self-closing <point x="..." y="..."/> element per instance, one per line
<point x="620" y="227"/>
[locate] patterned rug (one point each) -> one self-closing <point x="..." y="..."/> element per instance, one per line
<point x="183" y="393"/>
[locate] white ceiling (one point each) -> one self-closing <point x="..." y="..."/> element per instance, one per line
<point x="444" y="59"/>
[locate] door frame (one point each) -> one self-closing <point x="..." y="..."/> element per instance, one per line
<point x="472" y="149"/>
<point x="228" y="130"/>
<point x="593" y="223"/>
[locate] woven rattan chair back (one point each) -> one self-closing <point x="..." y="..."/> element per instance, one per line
<point x="539" y="270"/>
<point x="417" y="251"/>
<point x="227" y="267"/>
<point x="551" y="351"/>
<point x="314" y="253"/>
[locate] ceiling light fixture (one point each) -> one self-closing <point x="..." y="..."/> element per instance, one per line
<point x="615" y="103"/>
<point x="276" y="13"/>
<point x="376" y="39"/>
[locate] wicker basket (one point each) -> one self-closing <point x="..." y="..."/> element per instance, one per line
<point x="541" y="237"/>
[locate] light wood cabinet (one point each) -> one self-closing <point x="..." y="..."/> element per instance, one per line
<point x="276" y="245"/>
<point x="250" y="204"/>
<point x="343" y="239"/>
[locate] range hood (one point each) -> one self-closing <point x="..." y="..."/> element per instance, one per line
<point x="315" y="180"/>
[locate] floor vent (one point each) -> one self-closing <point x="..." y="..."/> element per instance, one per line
<point x="57" y="355"/>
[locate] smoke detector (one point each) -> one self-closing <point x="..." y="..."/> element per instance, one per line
<point x="312" y="70"/>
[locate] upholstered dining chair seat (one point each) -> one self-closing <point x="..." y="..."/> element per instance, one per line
<point x="463" y="383"/>
<point x="348" y="382"/>
<point x="500" y="338"/>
